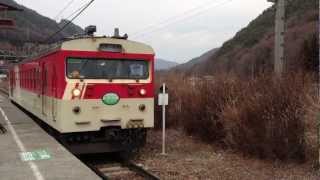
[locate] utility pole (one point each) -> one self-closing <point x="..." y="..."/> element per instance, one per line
<point x="279" y="36"/>
<point x="319" y="98"/>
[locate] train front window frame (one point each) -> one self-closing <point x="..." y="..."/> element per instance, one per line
<point x="93" y="68"/>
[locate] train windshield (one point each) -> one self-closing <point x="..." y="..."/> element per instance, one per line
<point x="80" y="68"/>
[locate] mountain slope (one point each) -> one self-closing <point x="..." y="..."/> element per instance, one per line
<point x="190" y="64"/>
<point x="251" y="50"/>
<point x="162" y="64"/>
<point x="33" y="27"/>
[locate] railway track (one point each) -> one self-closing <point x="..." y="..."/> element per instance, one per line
<point x="120" y="169"/>
<point x="4" y="91"/>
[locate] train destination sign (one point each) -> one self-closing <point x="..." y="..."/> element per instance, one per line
<point x="35" y="155"/>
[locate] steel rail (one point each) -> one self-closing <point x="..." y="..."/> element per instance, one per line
<point x="96" y="170"/>
<point x="3" y="91"/>
<point x="127" y="164"/>
<point x="139" y="170"/>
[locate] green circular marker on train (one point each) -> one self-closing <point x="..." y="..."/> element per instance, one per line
<point x="110" y="99"/>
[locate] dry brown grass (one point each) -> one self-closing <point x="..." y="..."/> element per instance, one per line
<point x="263" y="117"/>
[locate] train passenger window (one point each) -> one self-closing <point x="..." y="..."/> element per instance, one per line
<point x="107" y="69"/>
<point x="27" y="78"/>
<point x="33" y="79"/>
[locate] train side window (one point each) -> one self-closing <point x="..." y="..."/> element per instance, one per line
<point x="21" y="79"/>
<point x="27" y="79"/>
<point x="30" y="76"/>
<point x="24" y="78"/>
<point x="32" y="79"/>
<point x="35" y="79"/>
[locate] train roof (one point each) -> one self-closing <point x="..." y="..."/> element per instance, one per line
<point x="91" y="43"/>
<point x="94" y="44"/>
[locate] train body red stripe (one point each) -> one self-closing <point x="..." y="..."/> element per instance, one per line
<point x="47" y="76"/>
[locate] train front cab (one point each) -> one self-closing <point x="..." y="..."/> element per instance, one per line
<point x="108" y="95"/>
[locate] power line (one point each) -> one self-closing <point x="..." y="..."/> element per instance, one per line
<point x="179" y="20"/>
<point x="186" y="36"/>
<point x="69" y="22"/>
<point x="182" y="18"/>
<point x="63" y="10"/>
<point x="76" y="11"/>
<point x="183" y="37"/>
<point x="173" y="17"/>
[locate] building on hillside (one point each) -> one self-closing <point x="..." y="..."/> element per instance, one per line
<point x="6" y="23"/>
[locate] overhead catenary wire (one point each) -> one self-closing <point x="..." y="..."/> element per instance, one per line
<point x="183" y="37"/>
<point x="77" y="10"/>
<point x="69" y="22"/>
<point x="183" y="18"/>
<point x="63" y="10"/>
<point x="150" y="26"/>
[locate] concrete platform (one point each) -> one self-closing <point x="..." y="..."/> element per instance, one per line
<point x="24" y="135"/>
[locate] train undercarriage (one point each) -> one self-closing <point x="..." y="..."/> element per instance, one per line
<point x="111" y="139"/>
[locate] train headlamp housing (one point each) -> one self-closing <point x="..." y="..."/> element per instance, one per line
<point x="76" y="92"/>
<point x="142" y="107"/>
<point x="76" y="110"/>
<point x="143" y="92"/>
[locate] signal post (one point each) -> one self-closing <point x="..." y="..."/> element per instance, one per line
<point x="279" y="36"/>
<point x="163" y="100"/>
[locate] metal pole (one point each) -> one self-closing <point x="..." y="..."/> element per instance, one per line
<point x="279" y="38"/>
<point x="164" y="123"/>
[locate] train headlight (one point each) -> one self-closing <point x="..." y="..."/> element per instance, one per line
<point x="142" y="107"/>
<point x="76" y="110"/>
<point x="143" y="92"/>
<point x="76" y="92"/>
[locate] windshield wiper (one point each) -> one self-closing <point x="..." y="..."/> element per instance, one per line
<point x="82" y="68"/>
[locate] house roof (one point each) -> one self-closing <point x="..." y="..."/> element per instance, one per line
<point x="7" y="7"/>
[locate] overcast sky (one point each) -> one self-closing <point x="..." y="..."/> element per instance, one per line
<point x="178" y="30"/>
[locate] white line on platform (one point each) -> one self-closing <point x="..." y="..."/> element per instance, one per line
<point x="32" y="165"/>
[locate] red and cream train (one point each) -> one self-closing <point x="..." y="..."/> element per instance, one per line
<point x="95" y="93"/>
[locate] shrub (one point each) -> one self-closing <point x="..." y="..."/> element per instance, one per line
<point x="263" y="117"/>
<point x="267" y="119"/>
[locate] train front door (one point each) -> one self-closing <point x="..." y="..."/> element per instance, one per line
<point x="54" y="94"/>
<point x="49" y="90"/>
<point x="46" y="104"/>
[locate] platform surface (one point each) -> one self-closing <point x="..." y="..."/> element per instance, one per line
<point x="24" y="135"/>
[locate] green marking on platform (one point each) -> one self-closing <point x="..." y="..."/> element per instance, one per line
<point x="35" y="155"/>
